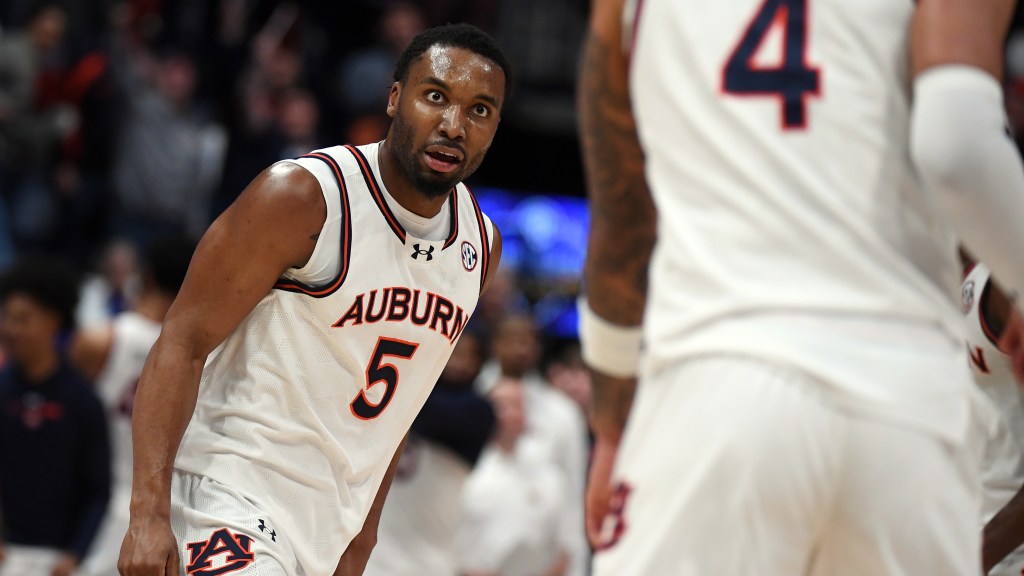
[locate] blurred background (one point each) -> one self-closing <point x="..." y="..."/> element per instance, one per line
<point x="124" y="120"/>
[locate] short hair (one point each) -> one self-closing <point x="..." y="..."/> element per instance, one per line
<point x="166" y="261"/>
<point x="50" y="282"/>
<point x="464" y="36"/>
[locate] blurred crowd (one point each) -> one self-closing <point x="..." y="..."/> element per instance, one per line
<point x="126" y="127"/>
<point x="132" y="118"/>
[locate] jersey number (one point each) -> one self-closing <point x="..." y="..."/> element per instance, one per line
<point x="376" y="372"/>
<point x="791" y="81"/>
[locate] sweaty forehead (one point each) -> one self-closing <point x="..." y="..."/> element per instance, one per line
<point x="459" y="68"/>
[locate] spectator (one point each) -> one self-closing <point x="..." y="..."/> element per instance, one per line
<point x="169" y="156"/>
<point x="29" y="131"/>
<point x="517" y="515"/>
<point x="112" y="290"/>
<point x="112" y="356"/>
<point x="552" y="420"/>
<point x="366" y="75"/>
<point x="54" y="453"/>
<point x="298" y="118"/>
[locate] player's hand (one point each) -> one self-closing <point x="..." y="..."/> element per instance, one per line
<point x="1012" y="343"/>
<point x="149" y="548"/>
<point x="599" y="488"/>
<point x="3" y="552"/>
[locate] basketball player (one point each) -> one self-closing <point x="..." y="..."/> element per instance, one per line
<point x="805" y="407"/>
<point x="323" y="303"/>
<point x="986" y="310"/>
<point x="113" y="357"/>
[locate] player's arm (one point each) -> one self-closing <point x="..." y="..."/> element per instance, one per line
<point x="89" y="350"/>
<point x="622" y="234"/>
<point x="1004" y="532"/>
<point x="959" y="140"/>
<point x="353" y="561"/>
<point x="495" y="260"/>
<point x="272" y="226"/>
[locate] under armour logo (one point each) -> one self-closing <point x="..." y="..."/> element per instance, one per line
<point x="264" y="528"/>
<point x="429" y="252"/>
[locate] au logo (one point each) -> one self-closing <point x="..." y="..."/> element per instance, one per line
<point x="223" y="552"/>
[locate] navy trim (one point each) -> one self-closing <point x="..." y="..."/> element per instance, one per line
<point x="375" y="191"/>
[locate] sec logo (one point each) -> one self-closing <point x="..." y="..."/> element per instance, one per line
<point x="469" y="258"/>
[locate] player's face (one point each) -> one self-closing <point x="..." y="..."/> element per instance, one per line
<point x="445" y="116"/>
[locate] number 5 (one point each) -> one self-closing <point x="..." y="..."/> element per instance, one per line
<point x="376" y="372"/>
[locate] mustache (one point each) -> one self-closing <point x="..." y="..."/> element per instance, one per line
<point x="447" y="143"/>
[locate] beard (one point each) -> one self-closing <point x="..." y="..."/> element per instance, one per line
<point x="407" y="158"/>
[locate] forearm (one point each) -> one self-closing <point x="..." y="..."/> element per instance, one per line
<point x="164" y="403"/>
<point x="623" y="218"/>
<point x="1004" y="532"/>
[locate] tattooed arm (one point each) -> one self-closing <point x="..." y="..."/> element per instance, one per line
<point x="622" y="230"/>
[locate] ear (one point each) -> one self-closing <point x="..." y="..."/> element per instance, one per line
<point x="396" y="93"/>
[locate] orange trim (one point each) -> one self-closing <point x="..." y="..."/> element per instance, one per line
<point x="346" y="238"/>
<point x="985" y="329"/>
<point x="378" y="196"/>
<point x="485" y="258"/>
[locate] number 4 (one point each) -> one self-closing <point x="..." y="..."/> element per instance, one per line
<point x="376" y="372"/>
<point x="791" y="82"/>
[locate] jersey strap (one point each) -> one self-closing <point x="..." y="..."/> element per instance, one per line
<point x="485" y="258"/>
<point x="290" y="285"/>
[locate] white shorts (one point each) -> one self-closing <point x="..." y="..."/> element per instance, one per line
<point x="219" y="531"/>
<point x="28" y="561"/>
<point x="735" y="467"/>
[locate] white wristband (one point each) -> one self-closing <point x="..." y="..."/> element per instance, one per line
<point x="608" y="348"/>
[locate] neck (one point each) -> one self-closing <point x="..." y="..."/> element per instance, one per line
<point x="401" y="189"/>
<point x="153" y="306"/>
<point x="40" y="366"/>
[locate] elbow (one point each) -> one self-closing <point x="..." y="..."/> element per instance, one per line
<point x="944" y="160"/>
<point x="956" y="123"/>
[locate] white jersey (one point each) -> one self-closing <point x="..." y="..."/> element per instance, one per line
<point x="303" y="406"/>
<point x="776" y="143"/>
<point x="1003" y="468"/>
<point x="417" y="528"/>
<point x="133" y="337"/>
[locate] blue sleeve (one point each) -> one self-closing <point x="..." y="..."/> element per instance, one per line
<point x="94" y="462"/>
<point x="459" y="420"/>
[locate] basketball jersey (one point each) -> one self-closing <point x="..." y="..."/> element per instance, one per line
<point x="134" y="336"/>
<point x="417" y="527"/>
<point x="776" y="142"/>
<point x="302" y="407"/>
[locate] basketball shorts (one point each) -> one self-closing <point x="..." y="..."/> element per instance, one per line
<point x="28" y="561"/>
<point x="732" y="466"/>
<point x="219" y="531"/>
